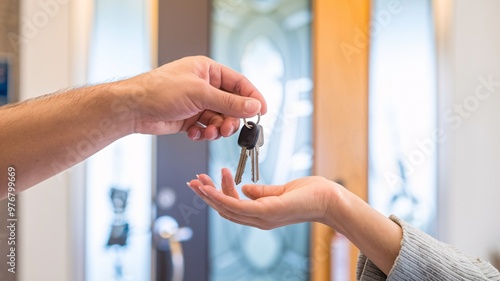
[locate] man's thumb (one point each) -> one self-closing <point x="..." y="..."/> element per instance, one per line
<point x="232" y="104"/>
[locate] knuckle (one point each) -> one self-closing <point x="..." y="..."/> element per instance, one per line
<point x="230" y="101"/>
<point x="241" y="211"/>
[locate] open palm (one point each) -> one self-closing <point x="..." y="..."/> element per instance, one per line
<point x="271" y="206"/>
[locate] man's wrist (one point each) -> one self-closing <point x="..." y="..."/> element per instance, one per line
<point x="126" y="102"/>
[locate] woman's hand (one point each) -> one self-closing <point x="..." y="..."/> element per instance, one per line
<point x="271" y="206"/>
<point x="302" y="200"/>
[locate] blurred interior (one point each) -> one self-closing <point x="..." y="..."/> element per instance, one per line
<point x="397" y="99"/>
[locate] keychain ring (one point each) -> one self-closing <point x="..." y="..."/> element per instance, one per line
<point x="250" y="126"/>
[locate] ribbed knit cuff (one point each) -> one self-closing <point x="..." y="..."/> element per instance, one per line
<point x="366" y="270"/>
<point x="424" y="258"/>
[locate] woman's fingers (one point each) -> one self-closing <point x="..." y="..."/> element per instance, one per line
<point x="228" y="184"/>
<point x="256" y="191"/>
<point x="242" y="207"/>
<point x="206" y="180"/>
<point x="195" y="186"/>
<point x="266" y="211"/>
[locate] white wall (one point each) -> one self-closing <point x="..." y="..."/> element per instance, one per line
<point x="52" y="58"/>
<point x="471" y="154"/>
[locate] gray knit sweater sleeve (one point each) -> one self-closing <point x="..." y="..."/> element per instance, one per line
<point x="424" y="258"/>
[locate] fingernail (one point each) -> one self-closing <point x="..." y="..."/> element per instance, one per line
<point x="202" y="191"/>
<point x="188" y="184"/>
<point x="251" y="106"/>
<point x="197" y="176"/>
<point x="198" y="135"/>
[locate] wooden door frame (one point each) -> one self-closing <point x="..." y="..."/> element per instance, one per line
<point x="340" y="73"/>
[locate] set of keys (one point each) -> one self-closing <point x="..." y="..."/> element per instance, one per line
<point x="250" y="139"/>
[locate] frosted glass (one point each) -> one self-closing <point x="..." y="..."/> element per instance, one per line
<point x="269" y="42"/>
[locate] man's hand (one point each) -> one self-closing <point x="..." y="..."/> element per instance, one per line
<point x="44" y="136"/>
<point x="172" y="98"/>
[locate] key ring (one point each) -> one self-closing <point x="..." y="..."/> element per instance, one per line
<point x="250" y="126"/>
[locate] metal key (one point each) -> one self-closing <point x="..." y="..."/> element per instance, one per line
<point x="247" y="140"/>
<point x="241" y="165"/>
<point x="255" y="155"/>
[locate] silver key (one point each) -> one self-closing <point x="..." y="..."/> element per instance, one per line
<point x="255" y="158"/>
<point x="255" y="171"/>
<point x="247" y="140"/>
<point x="241" y="165"/>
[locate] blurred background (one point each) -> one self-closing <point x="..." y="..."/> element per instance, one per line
<point x="397" y="99"/>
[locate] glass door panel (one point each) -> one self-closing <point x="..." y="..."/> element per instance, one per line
<point x="270" y="43"/>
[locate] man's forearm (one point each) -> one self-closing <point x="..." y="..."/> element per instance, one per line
<point x="44" y="136"/>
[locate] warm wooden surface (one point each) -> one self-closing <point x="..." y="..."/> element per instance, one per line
<point x="340" y="46"/>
